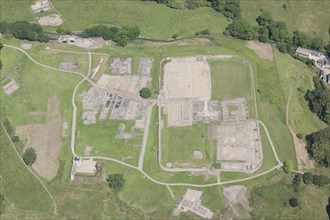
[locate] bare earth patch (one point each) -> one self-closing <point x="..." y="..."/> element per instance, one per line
<point x="263" y="50"/>
<point x="46" y="139"/>
<point x="235" y="197"/>
<point x="51" y="20"/>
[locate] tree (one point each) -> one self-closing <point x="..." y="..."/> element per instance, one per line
<point x="307" y="178"/>
<point x="145" y="93"/>
<point x="29" y="156"/>
<point x="116" y="181"/>
<point x="265" y="18"/>
<point x="241" y="29"/>
<point x="317" y="43"/>
<point x="318" y="146"/>
<point x="278" y="31"/>
<point x="293" y="202"/>
<point x="301" y="39"/>
<point x="288" y="167"/>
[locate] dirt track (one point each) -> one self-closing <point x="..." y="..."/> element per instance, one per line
<point x="263" y="50"/>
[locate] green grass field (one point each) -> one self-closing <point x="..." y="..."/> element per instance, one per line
<point x="178" y="144"/>
<point x="101" y="136"/>
<point x="21" y="189"/>
<point x="270" y="201"/>
<point x="154" y="20"/>
<point x="37" y="84"/>
<point x="230" y="79"/>
<point x="294" y="74"/>
<point x="297" y="16"/>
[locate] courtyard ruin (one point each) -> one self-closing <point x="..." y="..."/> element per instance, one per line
<point x="238" y="146"/>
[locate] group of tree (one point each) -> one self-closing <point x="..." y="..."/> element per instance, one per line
<point x="240" y="29"/>
<point x="269" y="29"/>
<point x="121" y="36"/>
<point x="145" y="93"/>
<point x="318" y="180"/>
<point x="116" y="181"/>
<point x="23" y="30"/>
<point x="229" y="8"/>
<point x="319" y="100"/>
<point x="318" y="146"/>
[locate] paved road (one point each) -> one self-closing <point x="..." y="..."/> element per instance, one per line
<point x="181" y="184"/>
<point x="74" y="112"/>
<point x="145" y="135"/>
<point x="27" y="167"/>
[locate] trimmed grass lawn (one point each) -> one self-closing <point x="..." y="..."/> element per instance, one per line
<point x="297" y="15"/>
<point x="230" y="79"/>
<point x="20" y="188"/>
<point x="178" y="144"/>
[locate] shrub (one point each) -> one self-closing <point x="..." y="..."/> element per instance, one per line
<point x="296" y="181"/>
<point x="321" y="180"/>
<point x="307" y="178"/>
<point x="175" y="36"/>
<point x="282" y="48"/>
<point x="287" y="167"/>
<point x="2" y="204"/>
<point x="300" y="136"/>
<point x="29" y="156"/>
<point x="145" y="93"/>
<point x="205" y="32"/>
<point x="302" y="90"/>
<point x="15" y="139"/>
<point x="293" y="202"/>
